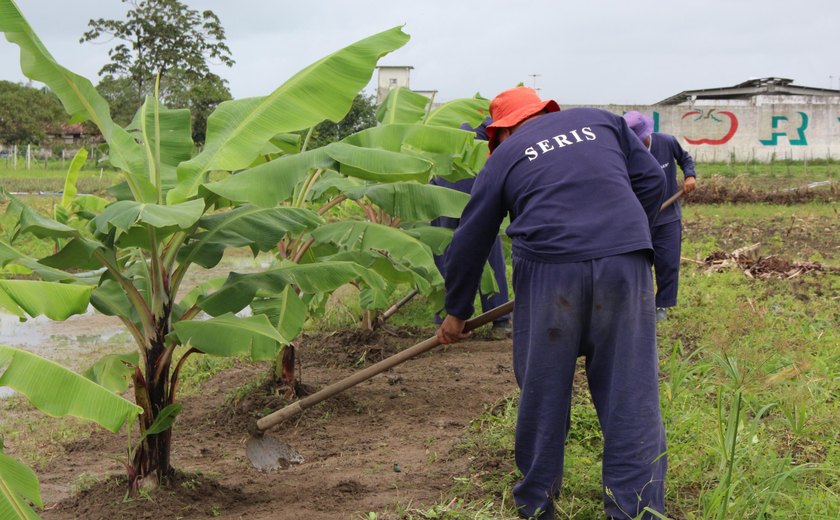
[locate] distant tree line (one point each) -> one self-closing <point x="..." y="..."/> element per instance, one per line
<point x="160" y="44"/>
<point x="28" y="114"/>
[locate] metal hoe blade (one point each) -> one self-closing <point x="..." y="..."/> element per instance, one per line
<point x="267" y="453"/>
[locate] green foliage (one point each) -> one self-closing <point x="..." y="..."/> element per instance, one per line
<point x="362" y="115"/>
<point x="27" y="114"/>
<point x="36" y="298"/>
<point x="166" y="38"/>
<point x="122" y="97"/>
<point x="18" y="486"/>
<point x="402" y="106"/>
<point x="58" y="392"/>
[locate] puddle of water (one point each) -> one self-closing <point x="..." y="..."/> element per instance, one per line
<point x="33" y="332"/>
<point x="810" y="186"/>
<point x="80" y="340"/>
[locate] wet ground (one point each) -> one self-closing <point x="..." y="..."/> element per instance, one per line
<point x="79" y="341"/>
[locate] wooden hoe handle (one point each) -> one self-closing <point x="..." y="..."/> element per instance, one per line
<point x="672" y="199"/>
<point x="363" y="375"/>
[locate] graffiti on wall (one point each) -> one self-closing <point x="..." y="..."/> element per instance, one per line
<point x="793" y="127"/>
<point x="710" y="126"/>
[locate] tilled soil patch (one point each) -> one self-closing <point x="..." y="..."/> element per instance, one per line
<point x="388" y="441"/>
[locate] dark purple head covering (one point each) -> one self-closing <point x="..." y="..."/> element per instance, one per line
<point x="641" y="124"/>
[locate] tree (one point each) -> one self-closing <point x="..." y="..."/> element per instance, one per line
<point x="160" y="36"/>
<point x="362" y="115"/>
<point x="200" y="96"/>
<point x="27" y="114"/>
<point x="166" y="38"/>
<point x="121" y="96"/>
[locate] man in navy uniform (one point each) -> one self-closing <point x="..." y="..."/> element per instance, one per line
<point x="582" y="192"/>
<point x="501" y="326"/>
<point x="667" y="230"/>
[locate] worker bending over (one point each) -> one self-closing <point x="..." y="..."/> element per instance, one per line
<point x="581" y="192"/>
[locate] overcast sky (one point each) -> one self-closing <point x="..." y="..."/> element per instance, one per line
<point x="582" y="52"/>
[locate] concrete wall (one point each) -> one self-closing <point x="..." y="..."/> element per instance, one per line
<point x="389" y="78"/>
<point x="763" y="129"/>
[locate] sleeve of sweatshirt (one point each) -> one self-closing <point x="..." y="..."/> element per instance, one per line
<point x="472" y="241"/>
<point x="646" y="175"/>
<point x="684" y="159"/>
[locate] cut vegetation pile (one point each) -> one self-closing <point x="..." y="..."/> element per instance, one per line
<point x="714" y="191"/>
<point x="755" y="266"/>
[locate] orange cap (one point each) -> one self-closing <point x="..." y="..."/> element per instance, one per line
<point x="513" y="106"/>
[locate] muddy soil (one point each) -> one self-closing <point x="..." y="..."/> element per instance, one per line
<point x="389" y="441"/>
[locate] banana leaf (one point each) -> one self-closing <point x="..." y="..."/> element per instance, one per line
<point x="472" y="111"/>
<point x="113" y="371"/>
<point x="238" y="130"/>
<point x="391" y="242"/>
<point x="402" y="106"/>
<point x="322" y="277"/>
<point x="229" y="335"/>
<point x="287" y="312"/>
<point x="255" y="227"/>
<point x="56" y="301"/>
<point x="412" y="201"/>
<point x="61" y="211"/>
<point x="378" y="165"/>
<point x="125" y="214"/>
<point x="18" y="486"/>
<point x="271" y="183"/>
<point x="58" y="391"/>
<point x="9" y="254"/>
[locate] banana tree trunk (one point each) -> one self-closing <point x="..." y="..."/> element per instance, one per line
<point x="284" y="373"/>
<point x="150" y="466"/>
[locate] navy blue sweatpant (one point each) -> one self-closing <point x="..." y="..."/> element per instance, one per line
<point x="666" y="266"/>
<point x="497" y="263"/>
<point x="601" y="309"/>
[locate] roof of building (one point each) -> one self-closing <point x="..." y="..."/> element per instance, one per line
<point x="749" y="89"/>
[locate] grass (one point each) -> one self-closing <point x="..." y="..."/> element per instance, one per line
<point x="52" y="180"/>
<point x="809" y="171"/>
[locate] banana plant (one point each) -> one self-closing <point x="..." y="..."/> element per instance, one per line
<point x="385" y="173"/>
<point x="57" y="391"/>
<point x="130" y="258"/>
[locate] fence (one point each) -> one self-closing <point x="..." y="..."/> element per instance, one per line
<point x="29" y="157"/>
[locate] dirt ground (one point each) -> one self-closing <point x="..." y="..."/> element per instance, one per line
<point x="389" y="441"/>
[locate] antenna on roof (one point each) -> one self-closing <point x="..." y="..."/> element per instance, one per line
<point x="534" y="81"/>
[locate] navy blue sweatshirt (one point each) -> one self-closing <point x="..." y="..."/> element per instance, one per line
<point x="463" y="185"/>
<point x="667" y="150"/>
<point x="577" y="184"/>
